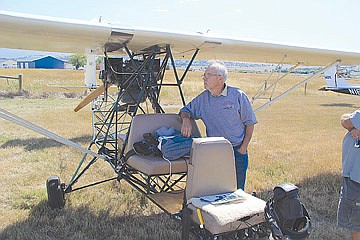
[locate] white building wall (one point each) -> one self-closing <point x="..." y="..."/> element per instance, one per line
<point x="8" y="64"/>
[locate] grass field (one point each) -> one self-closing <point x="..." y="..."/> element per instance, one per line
<point x="298" y="139"/>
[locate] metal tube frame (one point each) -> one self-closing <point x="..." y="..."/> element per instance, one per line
<point x="110" y="120"/>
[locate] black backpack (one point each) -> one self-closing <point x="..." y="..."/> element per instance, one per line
<point x="146" y="147"/>
<point x="285" y="213"/>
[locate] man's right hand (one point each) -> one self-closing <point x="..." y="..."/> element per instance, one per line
<point x="186" y="127"/>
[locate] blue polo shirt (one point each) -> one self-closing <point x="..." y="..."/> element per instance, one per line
<point x="225" y="115"/>
<point x="350" y="153"/>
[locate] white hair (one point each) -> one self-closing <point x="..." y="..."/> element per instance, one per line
<point x="220" y="68"/>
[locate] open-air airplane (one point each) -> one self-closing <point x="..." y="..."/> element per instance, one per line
<point x="120" y="120"/>
<point x="336" y="82"/>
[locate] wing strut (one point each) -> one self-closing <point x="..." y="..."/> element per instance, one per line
<point x="22" y="122"/>
<point x="260" y="93"/>
<point x="297" y="85"/>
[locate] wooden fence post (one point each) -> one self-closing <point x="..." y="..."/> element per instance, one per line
<point x="20" y="82"/>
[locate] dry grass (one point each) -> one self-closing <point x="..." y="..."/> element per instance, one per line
<point x="297" y="139"/>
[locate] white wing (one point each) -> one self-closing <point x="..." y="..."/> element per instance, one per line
<point x="21" y="31"/>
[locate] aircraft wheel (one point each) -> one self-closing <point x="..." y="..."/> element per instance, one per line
<point x="56" y="196"/>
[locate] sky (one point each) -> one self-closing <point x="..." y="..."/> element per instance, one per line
<point x="329" y="24"/>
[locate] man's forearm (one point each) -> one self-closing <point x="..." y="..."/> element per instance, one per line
<point x="248" y="134"/>
<point x="346" y="123"/>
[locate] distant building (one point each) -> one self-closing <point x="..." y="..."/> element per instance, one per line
<point x="8" y="64"/>
<point x="48" y="62"/>
<point x="68" y="66"/>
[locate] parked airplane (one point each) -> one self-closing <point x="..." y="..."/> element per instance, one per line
<point x="337" y="83"/>
<point x="120" y="120"/>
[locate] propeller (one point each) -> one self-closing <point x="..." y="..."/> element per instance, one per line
<point x="94" y="94"/>
<point x="106" y="78"/>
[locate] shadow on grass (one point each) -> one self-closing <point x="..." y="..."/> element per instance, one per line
<point x="14" y="94"/>
<point x="349" y="105"/>
<point x="39" y="95"/>
<point x="319" y="194"/>
<point x="42" y="143"/>
<point x="84" y="223"/>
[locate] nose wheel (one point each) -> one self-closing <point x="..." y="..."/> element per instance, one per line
<point x="55" y="192"/>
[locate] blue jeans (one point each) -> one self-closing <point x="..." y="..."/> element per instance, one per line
<point x="241" y="165"/>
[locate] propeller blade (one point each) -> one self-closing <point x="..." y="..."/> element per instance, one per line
<point x="89" y="98"/>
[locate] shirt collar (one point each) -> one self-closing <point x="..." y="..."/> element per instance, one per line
<point x="223" y="93"/>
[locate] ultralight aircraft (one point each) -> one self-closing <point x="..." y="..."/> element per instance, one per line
<point x="120" y="120"/>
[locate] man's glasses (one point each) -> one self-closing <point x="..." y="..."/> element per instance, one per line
<point x="210" y="75"/>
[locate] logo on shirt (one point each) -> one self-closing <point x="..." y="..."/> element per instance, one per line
<point x="228" y="106"/>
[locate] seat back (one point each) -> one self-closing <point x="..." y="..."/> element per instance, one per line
<point x="149" y="123"/>
<point x="211" y="169"/>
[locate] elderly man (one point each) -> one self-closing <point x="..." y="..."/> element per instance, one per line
<point x="349" y="204"/>
<point x="226" y="112"/>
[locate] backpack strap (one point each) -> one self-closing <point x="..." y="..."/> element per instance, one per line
<point x="129" y="154"/>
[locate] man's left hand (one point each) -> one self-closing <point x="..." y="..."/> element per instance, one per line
<point x="242" y="149"/>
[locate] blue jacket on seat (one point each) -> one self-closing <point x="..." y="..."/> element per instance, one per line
<point x="172" y="143"/>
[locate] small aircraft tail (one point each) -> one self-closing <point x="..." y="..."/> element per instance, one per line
<point x="336" y="82"/>
<point x="334" y="79"/>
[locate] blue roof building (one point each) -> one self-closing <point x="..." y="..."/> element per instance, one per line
<point x="48" y="62"/>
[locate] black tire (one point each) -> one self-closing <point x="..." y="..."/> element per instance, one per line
<point x="56" y="197"/>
